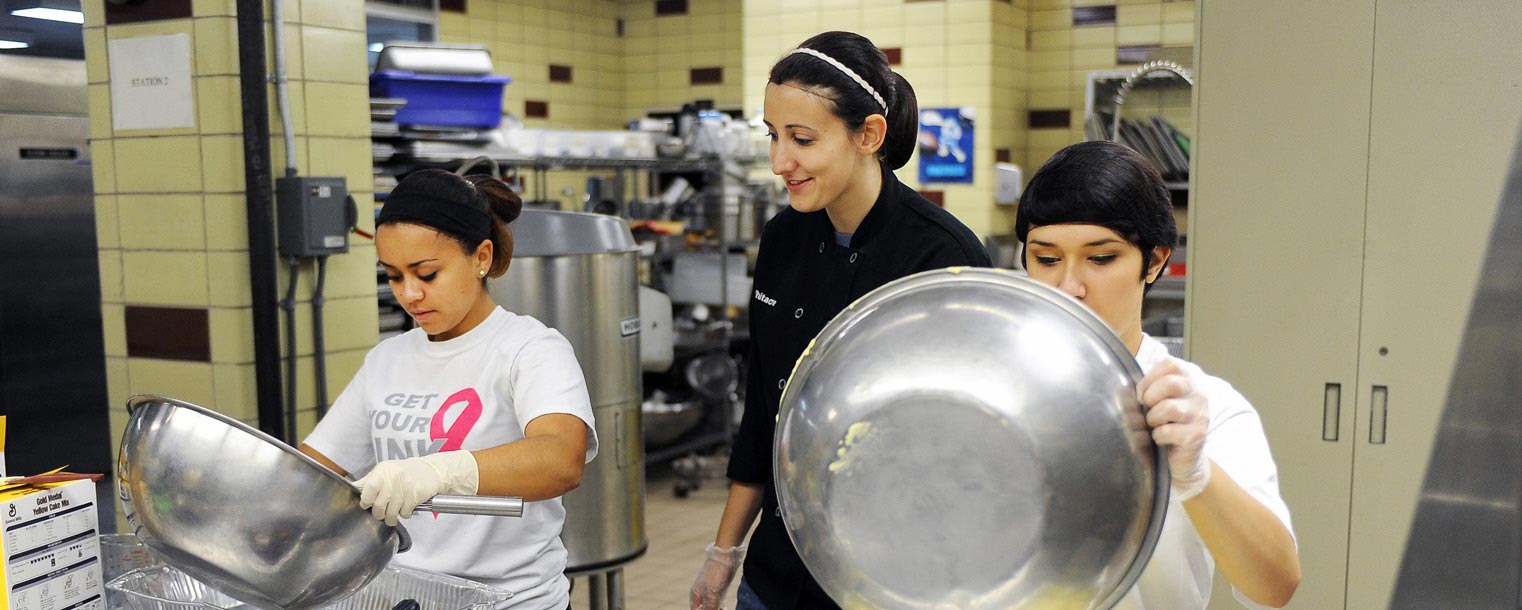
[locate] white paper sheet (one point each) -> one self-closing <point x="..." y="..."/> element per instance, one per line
<point x="151" y="82"/>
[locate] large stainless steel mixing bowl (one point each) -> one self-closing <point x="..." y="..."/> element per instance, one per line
<point x="969" y="439"/>
<point x="251" y="516"/>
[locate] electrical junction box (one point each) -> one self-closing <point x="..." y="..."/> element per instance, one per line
<point x="313" y="216"/>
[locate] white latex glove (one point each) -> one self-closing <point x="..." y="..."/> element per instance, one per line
<point x="1179" y="417"/>
<point x="719" y="567"/>
<point x="394" y="488"/>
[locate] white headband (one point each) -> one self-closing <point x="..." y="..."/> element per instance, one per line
<point x="848" y="72"/>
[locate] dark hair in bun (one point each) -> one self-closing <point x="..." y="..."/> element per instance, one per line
<point x="852" y="103"/>
<point x="426" y="197"/>
<point x="504" y="205"/>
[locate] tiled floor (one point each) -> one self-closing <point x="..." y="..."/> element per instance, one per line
<point x="678" y="529"/>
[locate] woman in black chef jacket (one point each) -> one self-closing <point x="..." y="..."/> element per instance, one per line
<point x="840" y="122"/>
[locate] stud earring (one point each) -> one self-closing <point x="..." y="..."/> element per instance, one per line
<point x="481" y="273"/>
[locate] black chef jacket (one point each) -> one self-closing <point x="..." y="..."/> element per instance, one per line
<point x="803" y="278"/>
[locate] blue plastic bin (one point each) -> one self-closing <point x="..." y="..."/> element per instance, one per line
<point x="439" y="100"/>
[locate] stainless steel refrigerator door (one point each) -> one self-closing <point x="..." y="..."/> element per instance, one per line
<point x="52" y="356"/>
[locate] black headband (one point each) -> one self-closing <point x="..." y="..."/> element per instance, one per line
<point x="457" y="218"/>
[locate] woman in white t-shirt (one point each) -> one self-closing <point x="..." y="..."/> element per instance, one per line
<point x="1097" y="223"/>
<point x="475" y="400"/>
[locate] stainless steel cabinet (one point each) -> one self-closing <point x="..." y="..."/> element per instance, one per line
<point x="1350" y="159"/>
<point x="52" y="354"/>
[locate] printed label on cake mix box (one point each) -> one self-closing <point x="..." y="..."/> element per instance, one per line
<point x="52" y="550"/>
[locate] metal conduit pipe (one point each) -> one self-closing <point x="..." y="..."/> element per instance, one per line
<point x="288" y="305"/>
<point x="282" y="95"/>
<point x="319" y="351"/>
<point x="261" y="215"/>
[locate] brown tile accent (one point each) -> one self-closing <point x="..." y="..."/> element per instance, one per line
<point x="169" y="333"/>
<point x="707" y="76"/>
<point x="560" y="74"/>
<point x="620" y="27"/>
<point x="1133" y="54"/>
<point x="536" y="110"/>
<point x="935" y="197"/>
<point x="1093" y="15"/>
<point x="1042" y="119"/>
<point x="453" y="6"/>
<point x="895" y="55"/>
<point x="146" y="11"/>
<point x="670" y="7"/>
<point x="1001" y="155"/>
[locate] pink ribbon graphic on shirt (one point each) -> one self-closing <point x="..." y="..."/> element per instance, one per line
<point x="454" y="435"/>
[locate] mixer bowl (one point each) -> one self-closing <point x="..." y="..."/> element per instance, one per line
<point x="969" y="439"/>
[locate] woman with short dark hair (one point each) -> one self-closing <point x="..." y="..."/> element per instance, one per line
<point x="1097" y="223"/>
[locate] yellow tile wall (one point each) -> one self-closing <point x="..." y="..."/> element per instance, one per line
<point x="659" y="52"/>
<point x="614" y="79"/>
<point x="1061" y="56"/>
<point x="1009" y="101"/>
<point x="527" y="36"/>
<point x="171" y="218"/>
<point x="955" y="53"/>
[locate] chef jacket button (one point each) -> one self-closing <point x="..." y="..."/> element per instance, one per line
<point x="798" y="313"/>
<point x="853" y="257"/>
<point x="821" y="247"/>
<point x="781" y="383"/>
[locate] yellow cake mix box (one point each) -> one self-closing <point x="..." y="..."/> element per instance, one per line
<point x="50" y="548"/>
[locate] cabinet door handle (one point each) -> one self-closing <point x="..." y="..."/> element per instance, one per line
<point x="1379" y="401"/>
<point x="1331" y="412"/>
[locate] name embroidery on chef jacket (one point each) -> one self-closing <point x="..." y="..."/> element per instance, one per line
<point x="401" y="417"/>
<point x="761" y="296"/>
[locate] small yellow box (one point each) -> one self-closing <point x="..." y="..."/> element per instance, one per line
<point x="51" y="548"/>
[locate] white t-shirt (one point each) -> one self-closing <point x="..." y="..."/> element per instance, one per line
<point x="1178" y="575"/>
<point x="413" y="396"/>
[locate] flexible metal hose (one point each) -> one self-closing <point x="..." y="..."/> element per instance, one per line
<point x="319" y="353"/>
<point x="1130" y="82"/>
<point x="289" y="305"/>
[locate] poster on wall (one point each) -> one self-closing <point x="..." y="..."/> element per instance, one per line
<point x="945" y="144"/>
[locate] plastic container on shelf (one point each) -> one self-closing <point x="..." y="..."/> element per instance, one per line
<point x="579" y="143"/>
<point x="554" y="143"/>
<point x="640" y="144"/>
<point x="163" y="587"/>
<point x="522" y="140"/>
<point x="443" y="100"/>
